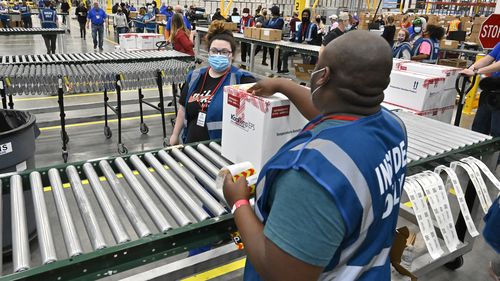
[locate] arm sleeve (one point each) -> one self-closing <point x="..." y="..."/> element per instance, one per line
<point x="304" y="220"/>
<point x="425" y="48"/>
<point x="187" y="23"/>
<point x="496" y="52"/>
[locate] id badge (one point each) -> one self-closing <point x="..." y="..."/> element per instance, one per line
<point x="201" y="119"/>
<point x="97" y="17"/>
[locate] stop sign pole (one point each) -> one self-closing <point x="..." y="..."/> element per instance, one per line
<point x="489" y="34"/>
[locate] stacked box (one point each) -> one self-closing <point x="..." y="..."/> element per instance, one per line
<point x="268" y="34"/>
<point x="256" y="33"/>
<point x="247" y="32"/>
<point x="128" y="41"/>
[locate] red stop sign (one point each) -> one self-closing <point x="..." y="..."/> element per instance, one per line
<point x="489" y="35"/>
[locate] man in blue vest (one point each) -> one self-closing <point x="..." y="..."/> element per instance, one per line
<point x="25" y="10"/>
<point x="97" y="17"/>
<point x="48" y="19"/>
<point x="327" y="203"/>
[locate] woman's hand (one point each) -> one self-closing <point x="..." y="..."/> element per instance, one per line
<point x="174" y="139"/>
<point x="468" y="72"/>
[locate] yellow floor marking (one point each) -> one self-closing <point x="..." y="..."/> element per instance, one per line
<point x="409" y="205"/>
<point x="111" y="41"/>
<point x="78" y="95"/>
<point x="57" y="127"/>
<point x="219" y="271"/>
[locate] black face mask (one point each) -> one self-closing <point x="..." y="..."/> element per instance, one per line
<point x="304" y="19"/>
<point x="318" y="20"/>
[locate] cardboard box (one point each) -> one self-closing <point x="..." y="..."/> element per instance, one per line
<point x="133" y="15"/>
<point x="147" y="41"/>
<point x="450" y="74"/>
<point x="128" y="41"/>
<point x="247" y="32"/>
<point x="449" y="44"/>
<point x="453" y="62"/>
<point x="256" y="32"/>
<point x="160" y="18"/>
<point x="268" y="34"/>
<point x="444" y="114"/>
<point x="414" y="91"/>
<point x="303" y="71"/>
<point x="254" y="128"/>
<point x="230" y="26"/>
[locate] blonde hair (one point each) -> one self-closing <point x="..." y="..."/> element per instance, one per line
<point x="177" y="24"/>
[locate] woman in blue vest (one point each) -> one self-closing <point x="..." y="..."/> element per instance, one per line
<point x="150" y="20"/>
<point x="426" y="48"/>
<point x="200" y="104"/>
<point x="323" y="209"/>
<point x="139" y="20"/>
<point x="402" y="48"/>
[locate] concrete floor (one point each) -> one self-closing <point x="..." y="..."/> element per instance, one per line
<point x="87" y="140"/>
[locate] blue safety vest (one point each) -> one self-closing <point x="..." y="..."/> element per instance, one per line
<point x="397" y="51"/>
<point x="139" y="21"/>
<point x="362" y="165"/>
<point x="48" y="18"/>
<point x="214" y="111"/>
<point x="434" y="49"/>
<point x="308" y="36"/>
<point x="150" y="25"/>
<point x="24" y="11"/>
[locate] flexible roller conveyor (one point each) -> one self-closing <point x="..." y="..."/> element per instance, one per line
<point x="30" y="31"/>
<point x="152" y="205"/>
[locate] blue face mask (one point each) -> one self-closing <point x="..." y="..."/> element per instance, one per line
<point x="218" y="62"/>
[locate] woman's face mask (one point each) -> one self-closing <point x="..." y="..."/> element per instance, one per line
<point x="417" y="29"/>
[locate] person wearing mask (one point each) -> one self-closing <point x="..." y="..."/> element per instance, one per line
<point x="333" y="23"/>
<point x="325" y="182"/>
<point x="97" y="17"/>
<point x="246" y="21"/>
<point x="150" y="20"/>
<point x="293" y="24"/>
<point x="4" y="15"/>
<point x="402" y="48"/>
<point x="389" y="31"/>
<point x="179" y="37"/>
<point x="120" y="24"/>
<point x="321" y="26"/>
<point x="217" y="15"/>
<point x="155" y="9"/>
<point x="48" y="19"/>
<point x="65" y="9"/>
<point x="114" y="9"/>
<point x="132" y="8"/>
<point x="416" y="30"/>
<point x="235" y="12"/>
<point x="200" y="104"/>
<point x="343" y="26"/>
<point x="25" y="11"/>
<point x="139" y="20"/>
<point x="308" y="32"/>
<point x="426" y="48"/>
<point x="276" y="22"/>
<point x="487" y="120"/>
<point x="380" y="20"/>
<point x="187" y="24"/>
<point x="261" y="21"/>
<point x="405" y="23"/>
<point x="81" y="15"/>
<point x="125" y="11"/>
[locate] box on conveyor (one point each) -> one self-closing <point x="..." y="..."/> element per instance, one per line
<point x="444" y="114"/>
<point x="414" y="91"/>
<point x="128" y="41"/>
<point x="449" y="44"/>
<point x="254" y="128"/>
<point x="268" y="34"/>
<point x="147" y="41"/>
<point x="450" y="74"/>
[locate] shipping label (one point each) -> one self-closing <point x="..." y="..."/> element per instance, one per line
<point x="233" y="100"/>
<point x="280" y="111"/>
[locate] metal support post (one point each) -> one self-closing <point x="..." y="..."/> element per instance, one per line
<point x="62" y="115"/>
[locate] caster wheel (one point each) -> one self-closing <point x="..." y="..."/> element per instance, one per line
<point x="173" y="122"/>
<point x="144" y="128"/>
<point x="455" y="264"/>
<point x="166" y="143"/>
<point x="65" y="156"/>
<point x="107" y="132"/>
<point x="122" y="149"/>
<point x="65" y="137"/>
<point x="169" y="104"/>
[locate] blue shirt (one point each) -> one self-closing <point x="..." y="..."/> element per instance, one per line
<point x="132" y="9"/>
<point x="97" y="17"/>
<point x="275" y="23"/>
<point x="496" y="55"/>
<point x="186" y="23"/>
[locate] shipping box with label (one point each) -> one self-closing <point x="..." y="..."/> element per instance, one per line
<point x="444" y="114"/>
<point x="268" y="34"/>
<point x="247" y="32"/>
<point x="414" y="91"/>
<point x="147" y="41"/>
<point x="450" y="74"/>
<point x="128" y="41"/>
<point x="254" y="128"/>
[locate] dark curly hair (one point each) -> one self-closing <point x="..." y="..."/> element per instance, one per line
<point x="435" y="32"/>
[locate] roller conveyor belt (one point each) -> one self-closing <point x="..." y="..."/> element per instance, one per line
<point x="31" y="31"/>
<point x="140" y="208"/>
<point x="85" y="58"/>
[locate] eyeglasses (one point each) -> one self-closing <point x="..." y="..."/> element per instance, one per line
<point x="215" y="51"/>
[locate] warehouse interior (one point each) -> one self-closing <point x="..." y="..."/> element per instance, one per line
<point x="95" y="189"/>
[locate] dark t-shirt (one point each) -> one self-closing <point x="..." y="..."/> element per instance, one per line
<point x="388" y="34"/>
<point x="197" y="133"/>
<point x="331" y="36"/>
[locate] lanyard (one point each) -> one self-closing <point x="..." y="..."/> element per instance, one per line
<point x="331" y="117"/>
<point x="205" y="105"/>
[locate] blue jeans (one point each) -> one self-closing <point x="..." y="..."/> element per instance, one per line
<point x="95" y="30"/>
<point x="487" y="121"/>
<point x="120" y="30"/>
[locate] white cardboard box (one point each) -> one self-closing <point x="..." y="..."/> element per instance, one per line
<point x="147" y="41"/>
<point x="444" y="114"/>
<point x="255" y="128"/>
<point x="450" y="74"/>
<point x="128" y="41"/>
<point x="414" y="91"/>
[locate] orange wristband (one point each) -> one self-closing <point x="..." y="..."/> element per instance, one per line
<point x="238" y="204"/>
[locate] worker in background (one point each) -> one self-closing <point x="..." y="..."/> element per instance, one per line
<point x="321" y="26"/>
<point x="139" y="20"/>
<point x="200" y="104"/>
<point x="389" y="31"/>
<point x="120" y="24"/>
<point x="218" y="16"/>
<point x="235" y="12"/>
<point x="454" y="25"/>
<point x="4" y="14"/>
<point x="487" y="120"/>
<point x="48" y="19"/>
<point x="333" y="22"/>
<point x="126" y="12"/>
<point x="187" y="24"/>
<point x="150" y="20"/>
<point x="343" y="26"/>
<point x="261" y="21"/>
<point x="64" y="9"/>
<point x="426" y="48"/>
<point x="132" y="8"/>
<point x="406" y="23"/>
<point x="181" y="38"/>
<point x="25" y="10"/>
<point x="276" y="22"/>
<point x="163" y="8"/>
<point x="380" y="20"/>
<point x="293" y="24"/>
<point x="416" y="30"/>
<point x="97" y="17"/>
<point x="307" y="32"/>
<point x="41" y="4"/>
<point x="246" y="21"/>
<point x="155" y="9"/>
<point x="322" y="210"/>
<point x="114" y="9"/>
<point x="81" y="15"/>
<point x="402" y="48"/>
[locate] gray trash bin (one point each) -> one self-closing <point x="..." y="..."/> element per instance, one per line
<point x="18" y="132"/>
